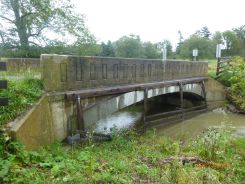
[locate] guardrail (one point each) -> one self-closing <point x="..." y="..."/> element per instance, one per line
<point x="3" y="84"/>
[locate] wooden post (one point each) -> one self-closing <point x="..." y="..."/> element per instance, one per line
<point x="3" y="84"/>
<point x="80" y="120"/>
<point x="204" y="93"/>
<point x="145" y="104"/>
<point x="181" y="99"/>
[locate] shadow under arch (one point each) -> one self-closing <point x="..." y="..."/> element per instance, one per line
<point x="103" y="108"/>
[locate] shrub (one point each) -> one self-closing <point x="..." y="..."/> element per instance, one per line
<point x="234" y="78"/>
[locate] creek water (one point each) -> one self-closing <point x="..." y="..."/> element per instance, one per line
<point x="186" y="129"/>
<point x="196" y="125"/>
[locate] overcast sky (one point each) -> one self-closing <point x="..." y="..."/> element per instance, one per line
<point x="155" y="20"/>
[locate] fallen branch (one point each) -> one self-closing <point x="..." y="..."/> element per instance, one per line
<point x="193" y="160"/>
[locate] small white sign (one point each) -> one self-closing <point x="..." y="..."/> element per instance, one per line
<point x="194" y="52"/>
<point x="218" y="51"/>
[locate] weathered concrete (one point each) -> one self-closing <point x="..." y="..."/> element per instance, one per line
<point x="103" y="108"/>
<point x="45" y="123"/>
<point x="216" y="96"/>
<point x="22" y="64"/>
<point x="35" y="127"/>
<point x="49" y="119"/>
<point x="63" y="73"/>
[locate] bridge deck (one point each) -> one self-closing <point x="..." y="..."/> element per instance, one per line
<point x="85" y="93"/>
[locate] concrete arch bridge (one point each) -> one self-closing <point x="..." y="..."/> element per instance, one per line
<point x="82" y="90"/>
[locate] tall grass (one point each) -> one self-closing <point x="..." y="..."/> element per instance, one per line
<point x="22" y="94"/>
<point x="130" y="158"/>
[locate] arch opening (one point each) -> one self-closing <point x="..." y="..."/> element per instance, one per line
<point x="132" y="116"/>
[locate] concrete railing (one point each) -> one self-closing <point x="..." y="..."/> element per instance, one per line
<point x="62" y="73"/>
<point x="22" y="64"/>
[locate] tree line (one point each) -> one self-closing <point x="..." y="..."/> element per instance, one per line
<point x="233" y="42"/>
<point x="29" y="28"/>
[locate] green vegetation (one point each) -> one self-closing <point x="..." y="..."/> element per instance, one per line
<point x="206" y="43"/>
<point x="212" y="66"/>
<point x="28" y="23"/>
<point x="205" y="46"/>
<point x="214" y="157"/>
<point x="22" y="94"/>
<point x="53" y="26"/>
<point x="234" y="78"/>
<point x="132" y="47"/>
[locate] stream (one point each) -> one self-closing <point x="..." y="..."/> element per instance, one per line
<point x="186" y="129"/>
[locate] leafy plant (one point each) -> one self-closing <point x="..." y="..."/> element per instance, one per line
<point x="128" y="158"/>
<point x="234" y="78"/>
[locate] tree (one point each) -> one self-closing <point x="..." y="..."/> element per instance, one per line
<point x="151" y="51"/>
<point x="232" y="43"/>
<point x="34" y="22"/>
<point x="129" y="46"/>
<point x="203" y="32"/>
<point x="168" y="45"/>
<point x="180" y="42"/>
<point x="240" y="32"/>
<point x="217" y="38"/>
<point x="107" y="49"/>
<point x="205" y="46"/>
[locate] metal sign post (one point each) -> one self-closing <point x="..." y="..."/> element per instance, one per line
<point x="164" y="53"/>
<point x="164" y="57"/>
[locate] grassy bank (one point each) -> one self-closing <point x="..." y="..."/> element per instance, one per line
<point x="22" y="93"/>
<point x="234" y="79"/>
<point x="212" y="65"/>
<point x="214" y="157"/>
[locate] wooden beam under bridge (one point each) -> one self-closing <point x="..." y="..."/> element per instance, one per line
<point x="76" y="96"/>
<point x="103" y="91"/>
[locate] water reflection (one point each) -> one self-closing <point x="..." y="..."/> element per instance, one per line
<point x="121" y="119"/>
<point x="194" y="126"/>
<point x="185" y="129"/>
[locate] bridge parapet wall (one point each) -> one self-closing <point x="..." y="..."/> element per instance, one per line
<point x="62" y="73"/>
<point x="22" y="64"/>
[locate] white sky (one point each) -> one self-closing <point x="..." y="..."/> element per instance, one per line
<point x="155" y="20"/>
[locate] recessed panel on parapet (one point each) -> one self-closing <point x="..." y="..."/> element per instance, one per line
<point x="62" y="73"/>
